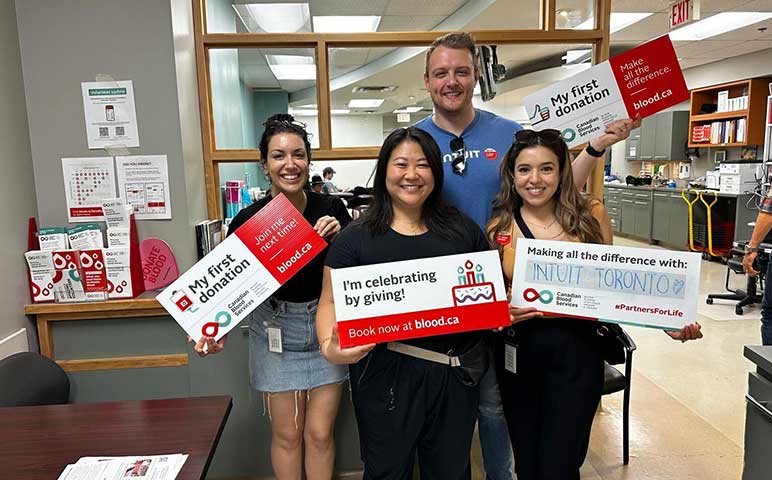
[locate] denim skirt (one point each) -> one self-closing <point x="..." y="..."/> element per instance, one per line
<point x="299" y="366"/>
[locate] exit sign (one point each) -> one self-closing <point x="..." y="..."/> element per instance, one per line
<point x="684" y="11"/>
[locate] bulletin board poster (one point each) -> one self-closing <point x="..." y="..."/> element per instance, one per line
<point x="642" y="81"/>
<point x="111" y="118"/>
<point x="143" y="182"/>
<point x="223" y="288"/>
<point x="419" y="298"/>
<point x="625" y="285"/>
<point x="87" y="183"/>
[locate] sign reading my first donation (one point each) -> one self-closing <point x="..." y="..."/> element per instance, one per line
<point x="631" y="286"/>
<point x="243" y="271"/>
<point x="641" y="81"/>
<point x="418" y="298"/>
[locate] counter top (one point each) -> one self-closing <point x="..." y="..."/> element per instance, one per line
<point x="649" y="188"/>
<point x="144" y="304"/>
<point x="760" y="355"/>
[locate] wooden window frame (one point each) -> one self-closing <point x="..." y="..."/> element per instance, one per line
<point x="322" y="42"/>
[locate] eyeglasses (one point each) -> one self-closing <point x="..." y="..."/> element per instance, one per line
<point x="538" y="137"/>
<point x="458" y="155"/>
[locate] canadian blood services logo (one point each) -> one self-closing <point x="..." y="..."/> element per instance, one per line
<point x="531" y="295"/>
<point x="491" y="153"/>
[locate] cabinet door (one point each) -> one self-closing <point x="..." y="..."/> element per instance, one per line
<point x="648" y="138"/>
<point x="660" y="219"/>
<point x="679" y="221"/>
<point x="643" y="219"/>
<point x="632" y="146"/>
<point x="663" y="133"/>
<point x="627" y="218"/>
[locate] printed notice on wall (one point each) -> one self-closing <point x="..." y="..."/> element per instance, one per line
<point x="418" y="298"/>
<point x="143" y="182"/>
<point x="242" y="271"/>
<point x="632" y="286"/>
<point x="642" y="81"/>
<point x="87" y="182"/>
<point x="111" y="119"/>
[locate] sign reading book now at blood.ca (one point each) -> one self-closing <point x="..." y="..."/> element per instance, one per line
<point x="641" y="81"/>
<point x="243" y="271"/>
<point x="419" y="298"/>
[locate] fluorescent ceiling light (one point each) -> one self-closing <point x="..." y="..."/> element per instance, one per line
<point x="365" y="102"/>
<point x="717" y="24"/>
<point x="275" y="17"/>
<point x="572" y="56"/>
<point x="346" y="24"/>
<point x="339" y="111"/>
<point x="408" y="110"/>
<point x="292" y="67"/>
<point x="619" y="21"/>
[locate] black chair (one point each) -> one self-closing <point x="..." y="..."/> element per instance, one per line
<point x="754" y="286"/>
<point x="614" y="381"/>
<point x="28" y="379"/>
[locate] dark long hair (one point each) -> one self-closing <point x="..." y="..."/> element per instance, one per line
<point x="572" y="210"/>
<point x="282" y="123"/>
<point x="438" y="217"/>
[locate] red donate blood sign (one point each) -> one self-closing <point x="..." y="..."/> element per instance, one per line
<point x="159" y="266"/>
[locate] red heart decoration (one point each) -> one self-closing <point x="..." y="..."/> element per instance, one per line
<point x="159" y="265"/>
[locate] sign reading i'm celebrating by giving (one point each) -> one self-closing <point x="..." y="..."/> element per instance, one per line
<point x="632" y="286"/>
<point x="419" y="298"/>
<point x="641" y="81"/>
<point x="244" y="270"/>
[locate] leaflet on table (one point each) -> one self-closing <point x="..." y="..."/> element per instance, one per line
<point x="643" y="80"/>
<point x="242" y="271"/>
<point x="150" y="467"/>
<point x="419" y="298"/>
<point x="625" y="285"/>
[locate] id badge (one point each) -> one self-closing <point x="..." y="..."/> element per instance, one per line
<point x="510" y="358"/>
<point x="274" y="339"/>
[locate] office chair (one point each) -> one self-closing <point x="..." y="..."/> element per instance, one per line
<point x="614" y="381"/>
<point x="754" y="286"/>
<point x="28" y="378"/>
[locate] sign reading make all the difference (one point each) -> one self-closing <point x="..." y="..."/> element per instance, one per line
<point x="632" y="286"/>
<point x="641" y="81"/>
<point x="419" y="298"/>
<point x="242" y="271"/>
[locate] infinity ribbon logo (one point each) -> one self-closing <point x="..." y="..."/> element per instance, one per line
<point x="221" y="319"/>
<point x="531" y="295"/>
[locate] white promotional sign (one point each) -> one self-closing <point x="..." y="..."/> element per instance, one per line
<point x="87" y="183"/>
<point x="418" y="298"/>
<point x="111" y="119"/>
<point x="625" y="285"/>
<point x="143" y="182"/>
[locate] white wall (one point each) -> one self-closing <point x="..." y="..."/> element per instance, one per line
<point x="17" y="187"/>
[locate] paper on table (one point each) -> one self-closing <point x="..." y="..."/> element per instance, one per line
<point x="151" y="467"/>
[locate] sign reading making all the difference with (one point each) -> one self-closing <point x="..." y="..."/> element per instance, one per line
<point x="243" y="271"/>
<point x="631" y="286"/>
<point x="419" y="298"/>
<point x="641" y="81"/>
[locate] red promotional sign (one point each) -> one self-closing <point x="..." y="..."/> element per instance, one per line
<point x="649" y="77"/>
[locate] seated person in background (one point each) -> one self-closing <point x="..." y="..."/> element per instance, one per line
<point x="316" y="184"/>
<point x="328" y="186"/>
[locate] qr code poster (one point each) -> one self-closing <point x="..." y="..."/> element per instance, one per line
<point x="111" y="118"/>
<point x="87" y="182"/>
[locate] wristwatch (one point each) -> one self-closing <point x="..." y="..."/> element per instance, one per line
<point x="749" y="249"/>
<point x="592" y="152"/>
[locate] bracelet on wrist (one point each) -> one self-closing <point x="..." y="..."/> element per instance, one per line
<point x="592" y="152"/>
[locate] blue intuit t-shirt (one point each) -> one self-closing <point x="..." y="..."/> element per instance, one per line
<point x="486" y="140"/>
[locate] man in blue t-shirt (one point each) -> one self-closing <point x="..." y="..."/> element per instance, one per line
<point x="482" y="139"/>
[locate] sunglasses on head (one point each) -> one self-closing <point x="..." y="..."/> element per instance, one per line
<point x="458" y="155"/>
<point x="538" y="137"/>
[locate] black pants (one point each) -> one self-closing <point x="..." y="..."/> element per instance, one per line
<point x="550" y="402"/>
<point x="404" y="406"/>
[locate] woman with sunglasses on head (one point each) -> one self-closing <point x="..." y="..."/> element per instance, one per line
<point x="301" y="389"/>
<point x="407" y="397"/>
<point x="551" y="399"/>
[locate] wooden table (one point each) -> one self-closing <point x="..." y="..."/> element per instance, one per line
<point x="38" y="442"/>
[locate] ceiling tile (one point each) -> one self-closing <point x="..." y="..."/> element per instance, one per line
<point x="423" y="7"/>
<point x="703" y="48"/>
<point x="401" y="23"/>
<point x="746" y="47"/>
<point x="347" y="7"/>
<point x="648" y="28"/>
<point x="750" y="32"/>
<point x="757" y="6"/>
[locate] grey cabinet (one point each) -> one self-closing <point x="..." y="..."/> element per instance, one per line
<point x="758" y="416"/>
<point x="613" y="205"/>
<point x="642" y="206"/>
<point x="669" y="222"/>
<point x="630" y="211"/>
<point x="661" y="137"/>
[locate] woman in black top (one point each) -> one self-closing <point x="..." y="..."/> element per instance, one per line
<point x="302" y="390"/>
<point x="406" y="405"/>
